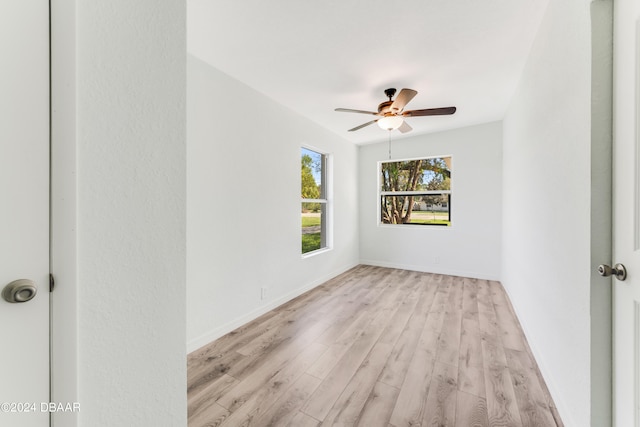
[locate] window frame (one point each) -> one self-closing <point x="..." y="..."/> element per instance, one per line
<point x="326" y="200"/>
<point x="381" y="194"/>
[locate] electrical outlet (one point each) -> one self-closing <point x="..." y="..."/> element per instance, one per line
<point x="263" y="293"/>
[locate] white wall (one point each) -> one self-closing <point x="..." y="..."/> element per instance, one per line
<point x="472" y="245"/>
<point x="119" y="252"/>
<point x="547" y="185"/>
<point x="243" y="207"/>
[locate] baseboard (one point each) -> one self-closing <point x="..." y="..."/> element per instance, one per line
<point x="220" y="331"/>
<point x="431" y="269"/>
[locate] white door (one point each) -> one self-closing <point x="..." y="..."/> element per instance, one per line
<point x="24" y="210"/>
<point x="626" y="218"/>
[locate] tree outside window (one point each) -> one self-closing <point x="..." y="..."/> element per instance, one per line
<point x="416" y="191"/>
<point x="313" y="178"/>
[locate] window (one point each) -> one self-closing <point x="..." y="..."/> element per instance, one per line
<point x="416" y="191"/>
<point x="314" y="200"/>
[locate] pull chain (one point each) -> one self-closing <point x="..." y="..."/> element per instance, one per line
<point x="389" y="144"/>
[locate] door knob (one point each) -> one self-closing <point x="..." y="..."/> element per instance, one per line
<point x="618" y="270"/>
<point x="21" y="290"/>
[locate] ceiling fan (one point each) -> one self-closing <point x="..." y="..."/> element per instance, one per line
<point x="392" y="112"/>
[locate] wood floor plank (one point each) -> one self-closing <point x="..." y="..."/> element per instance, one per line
<point x="532" y="402"/>
<point x="534" y="370"/>
<point x="207" y="397"/>
<point x="342" y="344"/>
<point x="470" y="350"/>
<point x="214" y="416"/>
<point x="203" y="375"/>
<point x="385" y="299"/>
<point x="471" y="379"/>
<point x="501" y="400"/>
<point x="346" y="410"/>
<point x="303" y="420"/>
<point x="488" y="322"/>
<point x="398" y="362"/>
<point x="260" y="376"/>
<point x="378" y="407"/>
<point x="271" y="338"/>
<point x="449" y="339"/>
<point x="470" y="298"/>
<point x="440" y="407"/>
<point x="511" y="332"/>
<point x="365" y="295"/>
<point x="410" y="405"/>
<point x="341" y="301"/>
<point x="441" y="299"/>
<point x="286" y="408"/>
<point x="409" y="408"/>
<point x="471" y="411"/>
<point x="386" y="347"/>
<point x="286" y="346"/>
<point x="250" y="402"/>
<point x="330" y="389"/>
<point x="470" y="375"/>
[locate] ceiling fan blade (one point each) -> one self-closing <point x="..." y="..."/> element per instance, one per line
<point x="430" y="112"/>
<point x="363" y="125"/>
<point x="404" y="127"/>
<point x="403" y="99"/>
<point x="349" y="110"/>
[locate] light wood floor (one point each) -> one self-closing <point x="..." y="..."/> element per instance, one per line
<point x="375" y="347"/>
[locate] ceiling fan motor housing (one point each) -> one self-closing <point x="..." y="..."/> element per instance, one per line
<point x="385" y="107"/>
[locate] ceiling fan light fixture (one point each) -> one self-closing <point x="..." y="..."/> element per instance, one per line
<point x="390" y="122"/>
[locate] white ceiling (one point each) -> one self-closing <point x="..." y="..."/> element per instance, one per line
<point x="314" y="56"/>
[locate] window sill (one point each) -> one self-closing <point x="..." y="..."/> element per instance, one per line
<point x="419" y="226"/>
<point x="316" y="252"/>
